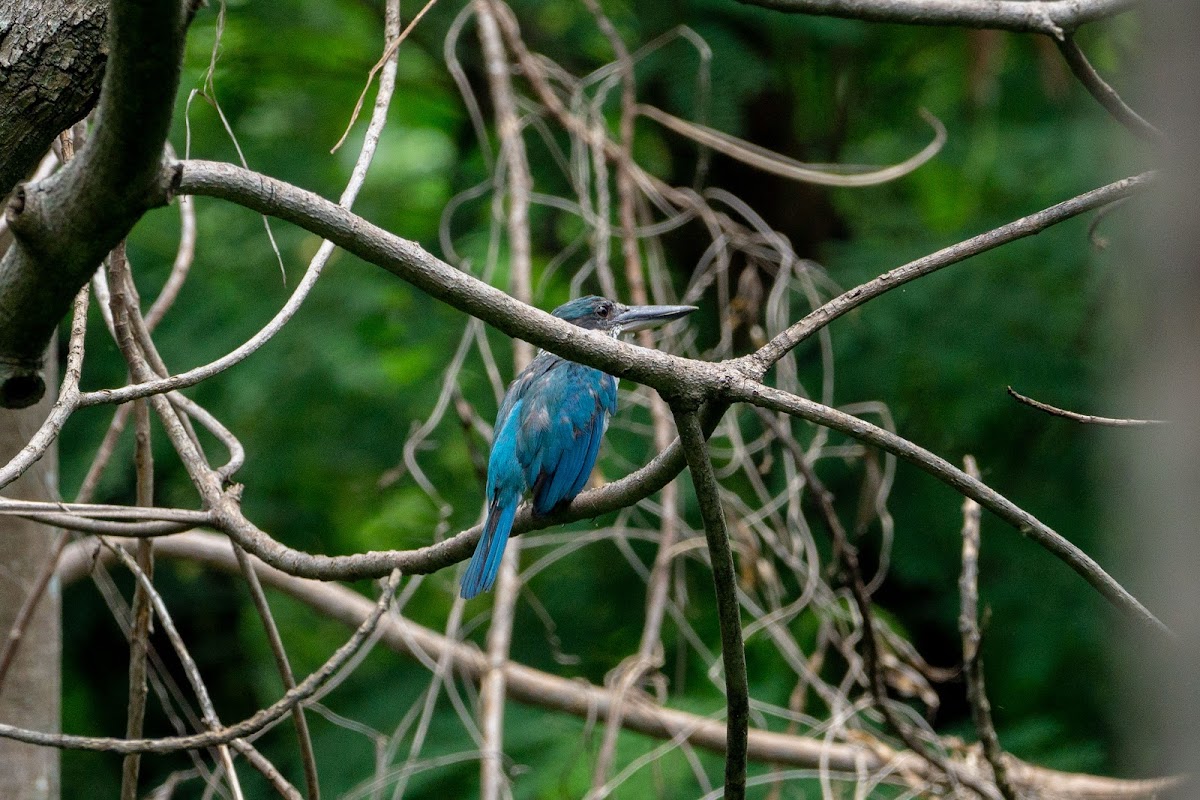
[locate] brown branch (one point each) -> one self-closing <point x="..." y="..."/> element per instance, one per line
<point x="514" y="166"/>
<point x="140" y="633"/>
<point x="968" y="627"/>
<point x="64" y="225"/>
<point x="1104" y="94"/>
<point x="1018" y="229"/>
<point x="1053" y="17"/>
<point x="729" y="610"/>
<point x="121" y="302"/>
<point x="588" y="701"/>
<point x="240" y="730"/>
<point x="696" y="379"/>
<point x="1027" y="524"/>
<point x="52" y="57"/>
<point x="303" y="737"/>
<point x="1086" y="419"/>
<point x="190" y="669"/>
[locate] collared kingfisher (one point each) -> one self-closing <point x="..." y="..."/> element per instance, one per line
<point x="548" y="430"/>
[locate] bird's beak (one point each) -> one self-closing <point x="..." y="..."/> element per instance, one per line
<point x="636" y="318"/>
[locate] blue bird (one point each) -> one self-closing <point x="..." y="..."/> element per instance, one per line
<point x="548" y="430"/>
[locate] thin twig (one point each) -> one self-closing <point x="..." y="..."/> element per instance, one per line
<point x="240" y="730"/>
<point x="389" y="56"/>
<point x="1018" y="229"/>
<point x="968" y="627"/>
<point x="207" y="710"/>
<point x="304" y="738"/>
<point x="1083" y="564"/>
<point x="514" y="165"/>
<point x="140" y="633"/>
<point x="1104" y="94"/>
<point x="1087" y="419"/>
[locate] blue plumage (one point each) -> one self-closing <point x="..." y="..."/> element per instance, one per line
<point x="548" y="431"/>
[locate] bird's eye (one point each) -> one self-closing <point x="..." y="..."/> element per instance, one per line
<point x="603" y="311"/>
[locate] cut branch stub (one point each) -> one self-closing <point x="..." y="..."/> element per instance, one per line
<point x="64" y="225"/>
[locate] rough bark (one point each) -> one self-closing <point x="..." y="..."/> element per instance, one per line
<point x="52" y="55"/>
<point x="30" y="694"/>
<point x="64" y="225"/>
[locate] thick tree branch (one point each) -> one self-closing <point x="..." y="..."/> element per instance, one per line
<point x="676" y="376"/>
<point x="584" y="700"/>
<point x="64" y="225"/>
<point x="51" y="62"/>
<point x="729" y="610"/>
<point x="415" y="265"/>
<point x="1053" y="17"/>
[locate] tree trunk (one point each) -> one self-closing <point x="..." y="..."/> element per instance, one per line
<point x="30" y="694"/>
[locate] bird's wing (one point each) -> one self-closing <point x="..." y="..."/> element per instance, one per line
<point x="563" y="415"/>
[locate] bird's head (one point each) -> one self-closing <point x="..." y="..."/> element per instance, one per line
<point x="601" y="314"/>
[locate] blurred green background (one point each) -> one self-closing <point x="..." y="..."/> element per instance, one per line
<point x="324" y="408"/>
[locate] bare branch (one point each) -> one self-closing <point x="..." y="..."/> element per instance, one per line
<point x="777" y="164"/>
<point x="64" y="225"/>
<point x="968" y="627"/>
<point x="1086" y="419"/>
<point x="1105" y="95"/>
<point x="415" y="265"/>
<point x="1023" y="521"/>
<point x="1018" y="229"/>
<point x="305" y="689"/>
<point x="1053" y="17"/>
<point x="584" y="700"/>
<point x="737" y="697"/>
<point x="307" y="757"/>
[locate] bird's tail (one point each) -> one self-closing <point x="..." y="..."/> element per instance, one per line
<point x="485" y="563"/>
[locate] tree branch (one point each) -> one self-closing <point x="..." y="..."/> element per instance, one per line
<point x="968" y="628"/>
<point x="409" y="261"/>
<point x="51" y="61"/>
<point x="587" y="701"/>
<point x="1086" y="419"/>
<point x="1053" y="17"/>
<point x="1104" y="94"/>
<point x="64" y="225"/>
<point x="1027" y="524"/>
<point x="730" y="381"/>
<point x="251" y="725"/>
<point x="1017" y="229"/>
<point x="729" y="610"/>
